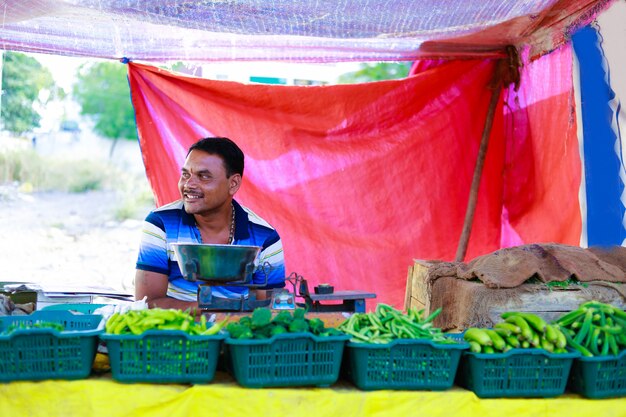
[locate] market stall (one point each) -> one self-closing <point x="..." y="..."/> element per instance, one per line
<point x="366" y="178"/>
<point x="345" y="361"/>
<point x="379" y="173"/>
<point x="350" y="362"/>
<point x="45" y="372"/>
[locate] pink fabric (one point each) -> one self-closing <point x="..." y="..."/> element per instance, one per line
<point x="543" y="167"/>
<point x="362" y="179"/>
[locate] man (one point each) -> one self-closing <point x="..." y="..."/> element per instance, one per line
<point x="206" y="213"/>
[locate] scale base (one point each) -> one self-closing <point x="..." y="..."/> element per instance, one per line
<point x="351" y="301"/>
<point x="207" y="302"/>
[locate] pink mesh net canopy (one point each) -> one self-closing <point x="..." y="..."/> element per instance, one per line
<point x="289" y="30"/>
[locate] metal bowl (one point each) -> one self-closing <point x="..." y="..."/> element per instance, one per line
<point x="205" y="262"/>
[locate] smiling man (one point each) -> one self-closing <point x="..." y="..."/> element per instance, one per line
<point x="206" y="213"/>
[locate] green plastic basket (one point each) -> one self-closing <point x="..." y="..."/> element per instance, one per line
<point x="163" y="356"/>
<point x="516" y="373"/>
<point x="599" y="376"/>
<point x="40" y="353"/>
<point x="81" y="308"/>
<point x="286" y="360"/>
<point x="410" y="364"/>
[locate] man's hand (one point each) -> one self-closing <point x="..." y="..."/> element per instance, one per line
<point x="153" y="286"/>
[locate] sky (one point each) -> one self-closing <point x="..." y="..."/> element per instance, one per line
<point x="63" y="70"/>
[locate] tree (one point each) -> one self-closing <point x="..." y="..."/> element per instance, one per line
<point x="376" y="72"/>
<point x="23" y="79"/>
<point x="103" y="93"/>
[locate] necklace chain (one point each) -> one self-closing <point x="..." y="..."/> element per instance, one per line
<point x="231" y="237"/>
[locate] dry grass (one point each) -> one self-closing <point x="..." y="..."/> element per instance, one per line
<point x="37" y="173"/>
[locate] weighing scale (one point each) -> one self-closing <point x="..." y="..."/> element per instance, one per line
<point x="221" y="265"/>
<point x="325" y="299"/>
<point x="234" y="265"/>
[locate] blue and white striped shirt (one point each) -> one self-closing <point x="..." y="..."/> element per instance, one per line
<point x="172" y="224"/>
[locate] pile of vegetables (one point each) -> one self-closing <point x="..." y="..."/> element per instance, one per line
<point x="34" y="325"/>
<point x="386" y="324"/>
<point x="138" y="321"/>
<point x="595" y="329"/>
<point x="519" y="330"/>
<point x="261" y="325"/>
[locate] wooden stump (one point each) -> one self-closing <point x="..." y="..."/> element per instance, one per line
<point x="472" y="304"/>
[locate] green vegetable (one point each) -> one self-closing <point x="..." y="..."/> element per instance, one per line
<point x="137" y="322"/>
<point x="571" y="317"/>
<point x="316" y="325"/>
<point x="521" y="330"/>
<point x="261" y="325"/>
<point x="239" y="331"/>
<point x="261" y="317"/>
<point x="284" y="318"/>
<point x="498" y="341"/>
<point x="215" y="328"/>
<point x="594" y="329"/>
<point x="520" y="322"/>
<point x="298" y="325"/>
<point x="276" y="330"/>
<point x="586" y="327"/>
<point x="386" y="324"/>
<point x="475" y="347"/>
<point x="298" y="313"/>
<point x="511" y="328"/>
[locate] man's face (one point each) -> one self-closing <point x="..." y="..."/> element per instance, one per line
<point x="203" y="184"/>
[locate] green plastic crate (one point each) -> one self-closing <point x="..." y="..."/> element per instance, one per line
<point x="39" y="353"/>
<point x="516" y="373"/>
<point x="286" y="360"/>
<point x="599" y="376"/>
<point x="82" y="308"/>
<point x="163" y="356"/>
<point x="410" y="364"/>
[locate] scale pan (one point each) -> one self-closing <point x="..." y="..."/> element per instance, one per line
<point x="206" y="262"/>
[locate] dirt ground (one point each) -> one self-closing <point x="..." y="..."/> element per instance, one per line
<point x="69" y="238"/>
<point x="66" y="238"/>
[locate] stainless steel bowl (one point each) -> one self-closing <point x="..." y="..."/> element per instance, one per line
<point x="205" y="262"/>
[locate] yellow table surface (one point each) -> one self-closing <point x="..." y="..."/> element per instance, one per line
<point x="100" y="396"/>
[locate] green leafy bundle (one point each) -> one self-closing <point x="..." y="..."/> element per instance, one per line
<point x="261" y="325"/>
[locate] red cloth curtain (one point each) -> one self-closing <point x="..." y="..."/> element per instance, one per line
<point x="362" y="179"/>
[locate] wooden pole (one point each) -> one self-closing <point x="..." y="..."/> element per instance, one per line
<point x="480" y="161"/>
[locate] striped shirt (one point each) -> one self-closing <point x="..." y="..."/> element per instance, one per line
<point x="172" y="224"/>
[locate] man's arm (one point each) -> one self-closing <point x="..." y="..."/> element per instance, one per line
<point x="153" y="286"/>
